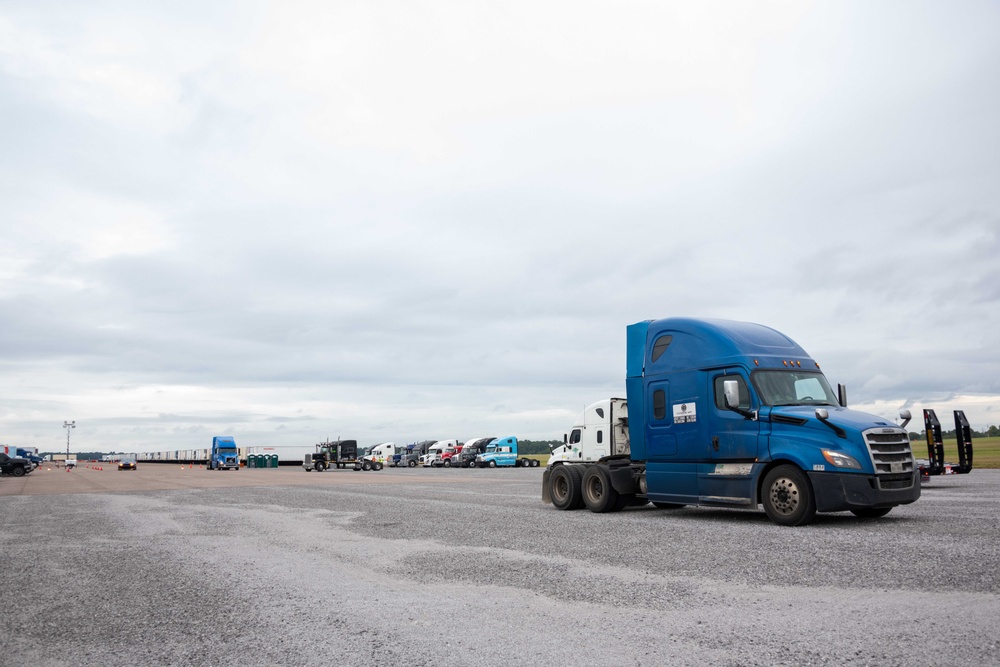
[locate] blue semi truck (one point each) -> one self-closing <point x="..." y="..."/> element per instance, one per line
<point x="730" y="414"/>
<point x="224" y="455"/>
<point x="502" y="452"/>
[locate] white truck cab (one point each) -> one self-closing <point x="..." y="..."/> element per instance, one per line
<point x="434" y="454"/>
<point x="600" y="430"/>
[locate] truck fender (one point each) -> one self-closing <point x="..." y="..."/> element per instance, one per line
<point x="546" y="492"/>
<point x="622" y="480"/>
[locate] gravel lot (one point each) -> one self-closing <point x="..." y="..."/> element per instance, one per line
<point x="468" y="567"/>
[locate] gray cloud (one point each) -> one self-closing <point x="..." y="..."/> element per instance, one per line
<point x="298" y="221"/>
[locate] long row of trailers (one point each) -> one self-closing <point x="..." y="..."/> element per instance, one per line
<point x="290" y="455"/>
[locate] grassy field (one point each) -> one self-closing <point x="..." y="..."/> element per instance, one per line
<point x="985" y="452"/>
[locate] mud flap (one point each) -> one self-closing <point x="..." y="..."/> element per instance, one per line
<point x="546" y="492"/>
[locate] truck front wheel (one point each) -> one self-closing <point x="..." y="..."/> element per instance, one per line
<point x="565" y="488"/>
<point x="598" y="494"/>
<point x="493" y="464"/>
<point x="787" y="497"/>
<point x="18" y="471"/>
<point x="320" y="467"/>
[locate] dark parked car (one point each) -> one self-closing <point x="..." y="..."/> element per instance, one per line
<point x="15" y="467"/>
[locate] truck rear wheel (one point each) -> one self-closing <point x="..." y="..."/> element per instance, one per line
<point x="598" y="494"/>
<point x="787" y="497"/>
<point x="565" y="487"/>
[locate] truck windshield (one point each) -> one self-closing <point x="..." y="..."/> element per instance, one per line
<point x="793" y="388"/>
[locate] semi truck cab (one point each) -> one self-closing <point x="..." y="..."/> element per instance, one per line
<point x="735" y="414"/>
<point x="224" y="455"/>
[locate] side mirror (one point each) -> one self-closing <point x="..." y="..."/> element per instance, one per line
<point x="731" y="389"/>
<point x="905" y="416"/>
<point x="565" y="439"/>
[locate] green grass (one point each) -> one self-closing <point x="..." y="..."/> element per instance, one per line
<point x="985" y="451"/>
<point x="544" y="458"/>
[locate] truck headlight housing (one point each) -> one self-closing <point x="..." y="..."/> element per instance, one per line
<point x="841" y="460"/>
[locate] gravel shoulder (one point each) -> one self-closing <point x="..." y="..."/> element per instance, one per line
<point x="468" y="567"/>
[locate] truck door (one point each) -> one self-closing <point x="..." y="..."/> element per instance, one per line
<point x="733" y="440"/>
<point x="733" y="436"/>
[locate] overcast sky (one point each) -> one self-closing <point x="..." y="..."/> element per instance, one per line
<point x="397" y="221"/>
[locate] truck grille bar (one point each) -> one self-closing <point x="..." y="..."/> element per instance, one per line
<point x="892" y="457"/>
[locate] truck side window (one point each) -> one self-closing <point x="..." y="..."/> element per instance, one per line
<point x="720" y="396"/>
<point x="659" y="404"/>
<point x="660" y="346"/>
<point x="600" y="436"/>
<point x="574" y="437"/>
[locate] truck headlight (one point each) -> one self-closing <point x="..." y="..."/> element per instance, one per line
<point x="841" y="460"/>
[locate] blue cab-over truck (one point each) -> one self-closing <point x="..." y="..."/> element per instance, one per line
<point x="730" y="414"/>
<point x="224" y="454"/>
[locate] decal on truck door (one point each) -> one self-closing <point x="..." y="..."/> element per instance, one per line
<point x="684" y="413"/>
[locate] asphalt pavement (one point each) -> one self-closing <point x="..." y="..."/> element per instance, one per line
<point x="468" y="567"/>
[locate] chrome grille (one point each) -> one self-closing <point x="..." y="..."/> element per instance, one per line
<point x="892" y="457"/>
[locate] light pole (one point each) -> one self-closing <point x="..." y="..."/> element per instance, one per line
<point x="68" y="426"/>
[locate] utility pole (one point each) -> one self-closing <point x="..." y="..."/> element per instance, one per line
<point x="68" y="426"/>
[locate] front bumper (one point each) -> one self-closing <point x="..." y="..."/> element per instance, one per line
<point x="837" y="492"/>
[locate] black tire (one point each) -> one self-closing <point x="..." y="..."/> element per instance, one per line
<point x="411" y="464"/>
<point x="17" y="472"/>
<point x="787" y="497"/>
<point x="566" y="487"/>
<point x="493" y="464"/>
<point x="447" y="463"/>
<point x="377" y="466"/>
<point x="667" y="506"/>
<point x="535" y="463"/>
<point x="598" y="494"/>
<point x="366" y="466"/>
<point x="320" y="467"/>
<point x="871" y="512"/>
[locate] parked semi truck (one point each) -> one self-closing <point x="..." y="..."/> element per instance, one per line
<point x="466" y="457"/>
<point x="730" y="414"/>
<point x="439" y="454"/>
<point x="338" y="454"/>
<point x="224" y="455"/>
<point x="380" y="455"/>
<point x="502" y="452"/>
<point x="412" y="454"/>
<point x="30" y="454"/>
